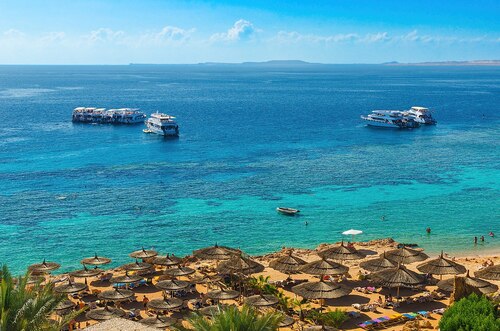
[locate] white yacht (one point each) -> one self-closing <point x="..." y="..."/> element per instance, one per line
<point x="162" y="124"/>
<point x="390" y="119"/>
<point x="114" y="116"/>
<point x="421" y="115"/>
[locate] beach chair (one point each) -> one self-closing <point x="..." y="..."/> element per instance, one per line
<point x="423" y="313"/>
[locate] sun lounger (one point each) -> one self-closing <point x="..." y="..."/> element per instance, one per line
<point x="423" y="313"/>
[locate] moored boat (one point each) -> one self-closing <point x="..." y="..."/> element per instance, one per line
<point x="162" y="124"/>
<point x="287" y="211"/>
<point x="390" y="119"/>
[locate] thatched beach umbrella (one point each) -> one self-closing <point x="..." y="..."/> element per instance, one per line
<point x="286" y="321"/>
<point x="96" y="260"/>
<point x="216" y="252"/>
<point x="378" y="264"/>
<point x="397" y="277"/>
<point x="165" y="304"/>
<point x="159" y="322"/>
<point x="106" y="313"/>
<point x="341" y="253"/>
<point x="405" y="255"/>
<point x="70" y="287"/>
<point x="179" y="271"/>
<point x="172" y="285"/>
<point x="223" y="294"/>
<point x="287" y="264"/>
<point x="441" y="266"/>
<point x="44" y="267"/>
<point x="262" y="300"/>
<point x="85" y="272"/>
<point x="324" y="267"/>
<point x="137" y="266"/>
<point x="35" y="280"/>
<point x="213" y="310"/>
<point x="485" y="287"/>
<point x="125" y="279"/>
<point x="167" y="260"/>
<point x="65" y="304"/>
<point x="491" y="272"/>
<point x="116" y="295"/>
<point x="321" y="290"/>
<point x="143" y="254"/>
<point x="241" y="265"/>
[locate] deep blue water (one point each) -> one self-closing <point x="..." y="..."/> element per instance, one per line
<point x="252" y="138"/>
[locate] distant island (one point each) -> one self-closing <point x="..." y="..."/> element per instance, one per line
<point x="300" y="63"/>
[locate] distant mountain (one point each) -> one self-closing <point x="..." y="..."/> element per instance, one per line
<point x="265" y="63"/>
<point x="448" y="63"/>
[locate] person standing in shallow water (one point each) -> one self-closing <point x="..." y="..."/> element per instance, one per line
<point x="428" y="230"/>
<point x="475" y="240"/>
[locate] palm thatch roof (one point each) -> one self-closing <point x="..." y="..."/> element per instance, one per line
<point x="324" y="267"/>
<point x="441" y="266"/>
<point x="491" y="272"/>
<point x="482" y="285"/>
<point x="287" y="264"/>
<point x="397" y="277"/>
<point x="240" y="264"/>
<point x="215" y="252"/>
<point x="405" y="255"/>
<point x="321" y="290"/>
<point x="341" y="253"/>
<point x="143" y="254"/>
<point x="261" y="300"/>
<point x="378" y="264"/>
<point x="96" y="260"/>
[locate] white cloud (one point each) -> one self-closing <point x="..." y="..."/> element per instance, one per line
<point x="241" y="30"/>
<point x="377" y="37"/>
<point x="169" y="34"/>
<point x="52" y="37"/>
<point x="13" y="34"/>
<point x="104" y="35"/>
<point x="284" y="37"/>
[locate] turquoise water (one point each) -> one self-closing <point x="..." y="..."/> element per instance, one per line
<point x="252" y="139"/>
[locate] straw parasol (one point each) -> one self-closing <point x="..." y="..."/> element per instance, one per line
<point x="321" y="290"/>
<point x="35" y="279"/>
<point x="44" y="267"/>
<point x="287" y="264"/>
<point x="172" y="285"/>
<point x="378" y="264"/>
<point x="397" y="277"/>
<point x="491" y="272"/>
<point x="406" y="255"/>
<point x="441" y="266"/>
<point x="159" y="322"/>
<point x="165" y="304"/>
<point x="137" y="266"/>
<point x="324" y="267"/>
<point x="342" y="253"/>
<point x="223" y="294"/>
<point x="215" y="253"/>
<point x="65" y="304"/>
<point x="261" y="300"/>
<point x="240" y="264"/>
<point x="106" y="313"/>
<point x="286" y="321"/>
<point x="125" y="278"/>
<point x="485" y="287"/>
<point x="179" y="271"/>
<point x="167" y="260"/>
<point x="85" y="272"/>
<point x="70" y="287"/>
<point x="143" y="254"/>
<point x="96" y="260"/>
<point x="116" y="295"/>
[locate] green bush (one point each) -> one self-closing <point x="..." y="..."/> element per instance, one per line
<point x="474" y="313"/>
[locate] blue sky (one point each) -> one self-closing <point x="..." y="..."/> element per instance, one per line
<point x="154" y="31"/>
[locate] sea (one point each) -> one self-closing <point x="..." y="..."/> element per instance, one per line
<point x="252" y="138"/>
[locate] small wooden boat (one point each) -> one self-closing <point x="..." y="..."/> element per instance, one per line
<point x="287" y="211"/>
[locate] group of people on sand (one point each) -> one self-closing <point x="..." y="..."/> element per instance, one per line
<point x="491" y="234"/>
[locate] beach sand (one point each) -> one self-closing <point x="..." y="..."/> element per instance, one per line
<point x="372" y="248"/>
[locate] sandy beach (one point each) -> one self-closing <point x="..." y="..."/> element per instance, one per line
<point x="362" y="303"/>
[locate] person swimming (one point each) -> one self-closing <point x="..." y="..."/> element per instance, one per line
<point x="491" y="234"/>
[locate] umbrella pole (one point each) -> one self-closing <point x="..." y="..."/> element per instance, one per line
<point x="397" y="293"/>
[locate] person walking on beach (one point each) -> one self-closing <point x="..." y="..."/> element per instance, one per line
<point x="145" y="301"/>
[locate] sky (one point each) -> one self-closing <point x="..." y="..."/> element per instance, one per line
<point x="194" y="31"/>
